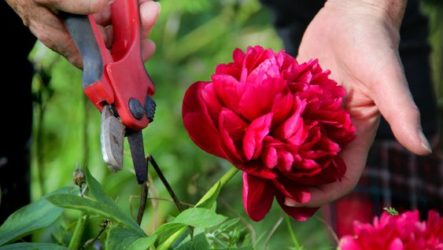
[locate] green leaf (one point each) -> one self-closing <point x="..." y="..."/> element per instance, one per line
<point x="143" y="243"/>
<point x="120" y="238"/>
<point x="199" y="217"/>
<point x="96" y="189"/>
<point x="198" y="242"/>
<point x="209" y="199"/>
<point x="27" y="219"/>
<point x="106" y="210"/>
<point x="168" y="229"/>
<point x="33" y="246"/>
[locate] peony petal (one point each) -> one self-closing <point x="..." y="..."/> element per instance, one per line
<point x="285" y="161"/>
<point x="269" y="157"/>
<point x="319" y="174"/>
<point x="258" y="96"/>
<point x="258" y="170"/>
<point x="396" y="244"/>
<point x="268" y="68"/>
<point x="254" y="56"/>
<point x="282" y="107"/>
<point x="289" y="189"/>
<point x="198" y="123"/>
<point x="294" y="125"/>
<point x="349" y="243"/>
<point x="239" y="56"/>
<point x="232" y="129"/>
<point x="229" y="69"/>
<point x="228" y="89"/>
<point x="211" y="101"/>
<point x="255" y="133"/>
<point x="258" y="195"/>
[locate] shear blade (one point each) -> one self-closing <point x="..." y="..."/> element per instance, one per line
<point x="111" y="137"/>
<point x="135" y="140"/>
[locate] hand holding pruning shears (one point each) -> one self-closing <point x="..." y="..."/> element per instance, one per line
<point x="110" y="47"/>
<point x="43" y="19"/>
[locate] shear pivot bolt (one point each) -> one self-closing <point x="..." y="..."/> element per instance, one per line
<point x="136" y="108"/>
<point x="150" y="108"/>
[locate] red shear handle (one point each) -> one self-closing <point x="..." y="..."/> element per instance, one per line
<point x="129" y="79"/>
<point x="115" y="77"/>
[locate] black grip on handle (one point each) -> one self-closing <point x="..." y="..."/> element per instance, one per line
<point x="81" y="31"/>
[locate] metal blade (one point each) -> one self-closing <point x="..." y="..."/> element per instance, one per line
<point x="111" y="137"/>
<point x="135" y="140"/>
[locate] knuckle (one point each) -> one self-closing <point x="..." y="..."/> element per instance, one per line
<point x="76" y="61"/>
<point x="26" y="21"/>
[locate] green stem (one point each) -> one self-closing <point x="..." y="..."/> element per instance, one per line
<point x="75" y="242"/>
<point x="297" y="245"/>
<point x="219" y="184"/>
<point x="173" y="238"/>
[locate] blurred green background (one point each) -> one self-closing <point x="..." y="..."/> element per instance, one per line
<point x="192" y="37"/>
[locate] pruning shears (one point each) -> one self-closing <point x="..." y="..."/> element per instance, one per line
<point x="116" y="82"/>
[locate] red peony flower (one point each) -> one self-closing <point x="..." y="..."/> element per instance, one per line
<point x="282" y="123"/>
<point x="397" y="232"/>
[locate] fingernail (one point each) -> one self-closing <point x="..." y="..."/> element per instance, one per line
<point x="425" y="143"/>
<point x="291" y="202"/>
<point x="158" y="5"/>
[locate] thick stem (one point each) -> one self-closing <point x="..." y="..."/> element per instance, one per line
<point x="75" y="242"/>
<point x="297" y="245"/>
<point x="219" y="184"/>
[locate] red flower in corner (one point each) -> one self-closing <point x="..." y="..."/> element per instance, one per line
<point x="397" y="232"/>
<point x="282" y="123"/>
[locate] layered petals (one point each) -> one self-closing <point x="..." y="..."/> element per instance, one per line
<point x="279" y="121"/>
<point x="396" y="232"/>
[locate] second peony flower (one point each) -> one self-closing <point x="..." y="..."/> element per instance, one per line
<point x="279" y="121"/>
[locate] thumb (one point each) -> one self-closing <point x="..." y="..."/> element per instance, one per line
<point x="394" y="100"/>
<point x="76" y="6"/>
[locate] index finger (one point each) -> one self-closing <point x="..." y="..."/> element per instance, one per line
<point x="82" y="7"/>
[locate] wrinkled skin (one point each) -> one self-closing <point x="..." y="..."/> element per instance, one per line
<point x="358" y="41"/>
<point x="40" y="16"/>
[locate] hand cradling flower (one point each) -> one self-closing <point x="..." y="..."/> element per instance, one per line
<point x="282" y="123"/>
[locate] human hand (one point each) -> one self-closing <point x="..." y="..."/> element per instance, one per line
<point x="358" y="41"/>
<point x="40" y="16"/>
